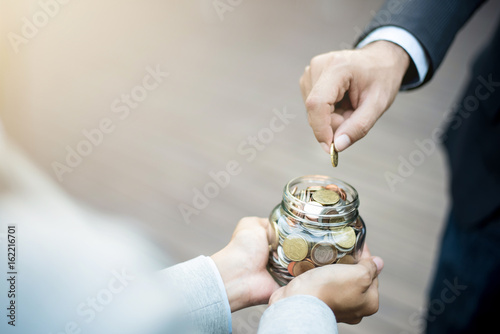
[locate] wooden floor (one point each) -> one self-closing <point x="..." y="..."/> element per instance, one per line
<point x="228" y="76"/>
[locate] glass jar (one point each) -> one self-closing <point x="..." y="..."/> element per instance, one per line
<point x="317" y="223"/>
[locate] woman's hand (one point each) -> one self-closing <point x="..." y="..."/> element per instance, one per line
<point x="242" y="264"/>
<point x="350" y="290"/>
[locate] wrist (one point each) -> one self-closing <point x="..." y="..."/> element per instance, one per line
<point x="233" y="278"/>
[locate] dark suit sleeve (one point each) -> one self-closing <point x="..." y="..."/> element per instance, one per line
<point x="433" y="22"/>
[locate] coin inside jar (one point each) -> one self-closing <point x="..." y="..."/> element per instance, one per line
<point x="318" y="224"/>
<point x="345" y="238"/>
<point x="326" y="197"/>
<point x="275" y="236"/>
<point x="347" y="259"/>
<point x="314" y="188"/>
<point x="297" y="268"/>
<point x="323" y="253"/>
<point x="313" y="210"/>
<point x="295" y="247"/>
<point x="338" y="190"/>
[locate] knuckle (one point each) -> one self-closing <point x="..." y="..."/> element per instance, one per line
<point x="316" y="61"/>
<point x="372" y="307"/>
<point x="355" y="320"/>
<point x="312" y="102"/>
<point x="249" y="220"/>
<point x="365" y="278"/>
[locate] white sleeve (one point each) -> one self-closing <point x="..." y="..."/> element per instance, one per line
<point x="201" y="290"/>
<point x="409" y="43"/>
<point x="300" y="314"/>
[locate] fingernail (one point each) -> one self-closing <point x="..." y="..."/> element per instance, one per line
<point x="325" y="147"/>
<point x="379" y="263"/>
<point x="342" y="142"/>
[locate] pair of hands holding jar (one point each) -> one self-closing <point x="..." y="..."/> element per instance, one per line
<point x="345" y="92"/>
<point x="351" y="291"/>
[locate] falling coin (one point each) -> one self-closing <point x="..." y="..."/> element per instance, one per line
<point x="326" y="197"/>
<point x="334" y="155"/>
<point x="323" y="253"/>
<point x="295" y="247"/>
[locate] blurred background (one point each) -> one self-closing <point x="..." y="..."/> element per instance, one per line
<point x="169" y="92"/>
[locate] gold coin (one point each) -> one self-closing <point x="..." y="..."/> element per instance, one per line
<point x="345" y="238"/>
<point x="275" y="237"/>
<point x="326" y="197"/>
<point x="347" y="259"/>
<point x="334" y="156"/>
<point x="297" y="268"/>
<point x="338" y="190"/>
<point x="323" y="253"/>
<point x="295" y="247"/>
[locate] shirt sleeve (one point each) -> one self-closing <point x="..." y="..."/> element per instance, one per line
<point x="200" y="287"/>
<point x="222" y="291"/>
<point x="410" y="44"/>
<point x="299" y="314"/>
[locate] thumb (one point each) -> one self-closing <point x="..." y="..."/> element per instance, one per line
<point x="277" y="295"/>
<point x="357" y="125"/>
<point x="373" y="264"/>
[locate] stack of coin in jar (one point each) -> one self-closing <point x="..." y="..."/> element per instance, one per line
<point x="316" y="232"/>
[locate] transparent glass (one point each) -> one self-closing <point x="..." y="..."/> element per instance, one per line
<point x="317" y="223"/>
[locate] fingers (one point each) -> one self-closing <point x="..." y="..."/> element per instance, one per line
<point x="255" y="224"/>
<point x="323" y="84"/>
<point x="336" y="119"/>
<point x="373" y="266"/>
<point x="379" y="263"/>
<point x="372" y="299"/>
<point x="277" y="295"/>
<point x="306" y="83"/>
<point x="359" y="123"/>
<point x="366" y="251"/>
<point x="265" y="224"/>
<point x="328" y="90"/>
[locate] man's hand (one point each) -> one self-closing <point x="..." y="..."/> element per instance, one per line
<point x="242" y="264"/>
<point x="350" y="290"/>
<point x="345" y="92"/>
